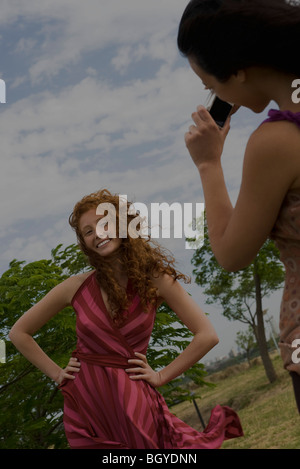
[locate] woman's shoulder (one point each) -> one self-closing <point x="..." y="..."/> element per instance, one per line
<point x="278" y="138"/>
<point x="164" y="284"/>
<point x="80" y="278"/>
<point x="72" y="284"/>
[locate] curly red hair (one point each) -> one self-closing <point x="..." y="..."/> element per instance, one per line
<point x="140" y="258"/>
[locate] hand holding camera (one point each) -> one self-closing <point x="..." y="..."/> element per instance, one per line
<point x="220" y="110"/>
<point x="205" y="140"/>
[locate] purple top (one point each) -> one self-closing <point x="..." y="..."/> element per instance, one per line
<point x="277" y="115"/>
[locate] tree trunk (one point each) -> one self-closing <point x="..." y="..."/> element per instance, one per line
<point x="261" y="337"/>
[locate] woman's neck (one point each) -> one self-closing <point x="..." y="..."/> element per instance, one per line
<point x="280" y="88"/>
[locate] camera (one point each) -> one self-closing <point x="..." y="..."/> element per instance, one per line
<point x="219" y="110"/>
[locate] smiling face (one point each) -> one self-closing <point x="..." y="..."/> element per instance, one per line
<point x="95" y="236"/>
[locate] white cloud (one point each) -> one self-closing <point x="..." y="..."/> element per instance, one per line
<point x="140" y="111"/>
<point x="44" y="139"/>
<point x="97" y="96"/>
<point x="71" y="28"/>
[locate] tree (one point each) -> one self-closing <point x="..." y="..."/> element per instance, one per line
<point x="31" y="404"/>
<point x="241" y="293"/>
<point x="246" y="342"/>
<point x="28" y="398"/>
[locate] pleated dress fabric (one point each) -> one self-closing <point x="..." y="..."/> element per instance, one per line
<point x="104" y="408"/>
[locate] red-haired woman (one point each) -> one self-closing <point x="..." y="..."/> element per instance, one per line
<point x="112" y="402"/>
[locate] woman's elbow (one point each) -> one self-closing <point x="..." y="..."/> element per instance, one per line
<point x="214" y="340"/>
<point x="12" y="334"/>
<point x="231" y="266"/>
<point x="232" y="263"/>
<point x="211" y="340"/>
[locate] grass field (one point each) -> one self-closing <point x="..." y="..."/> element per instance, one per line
<point x="267" y="411"/>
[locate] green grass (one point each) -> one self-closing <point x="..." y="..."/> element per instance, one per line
<point x="268" y="412"/>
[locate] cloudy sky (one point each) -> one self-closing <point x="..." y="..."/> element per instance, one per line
<point x="98" y="96"/>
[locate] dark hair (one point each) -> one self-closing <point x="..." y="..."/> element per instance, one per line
<point x="225" y="36"/>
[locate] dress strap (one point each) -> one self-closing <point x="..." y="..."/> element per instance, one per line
<point x="277" y="115"/>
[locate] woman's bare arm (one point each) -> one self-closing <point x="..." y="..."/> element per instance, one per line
<point x="29" y="323"/>
<point x="204" y="335"/>
<point x="271" y="167"/>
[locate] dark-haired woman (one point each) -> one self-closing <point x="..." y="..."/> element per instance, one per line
<point x="244" y="52"/>
<point x="110" y="400"/>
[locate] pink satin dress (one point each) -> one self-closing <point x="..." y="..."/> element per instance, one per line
<point x="104" y="408"/>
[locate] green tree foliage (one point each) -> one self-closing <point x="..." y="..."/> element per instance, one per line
<point x="240" y="294"/>
<point x="31" y="404"/>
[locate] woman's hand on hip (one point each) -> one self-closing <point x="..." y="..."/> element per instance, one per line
<point x="66" y="373"/>
<point x="143" y="370"/>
